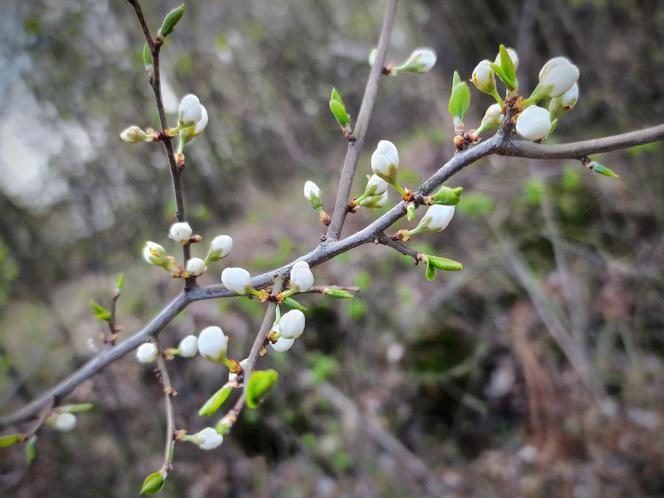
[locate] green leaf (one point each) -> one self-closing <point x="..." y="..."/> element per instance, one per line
<point x="10" y="440"/>
<point x="338" y="109"/>
<point x="119" y="285"/>
<point x="78" y="408"/>
<point x="500" y="73"/>
<point x="338" y="293"/>
<point x="259" y="386"/>
<point x="447" y="196"/>
<point x="410" y="211"/>
<point x="31" y="450"/>
<point x="215" y="401"/>
<point x="147" y="56"/>
<point x="459" y="101"/>
<point x="444" y="264"/>
<point x="170" y="21"/>
<point x="431" y="271"/>
<point x="456" y="79"/>
<point x="507" y="66"/>
<point x="292" y="303"/>
<point x="100" y="312"/>
<point x="154" y="483"/>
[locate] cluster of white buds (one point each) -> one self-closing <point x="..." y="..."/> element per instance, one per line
<point x="285" y="330"/>
<point x="147" y="352"/>
<point x="237" y="280"/>
<point x="213" y="344"/>
<point x="435" y="219"/>
<point x="206" y="439"/>
<point x="181" y="232"/>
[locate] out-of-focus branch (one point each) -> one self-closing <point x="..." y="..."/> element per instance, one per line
<point x="361" y="125"/>
<point x="498" y="144"/>
<point x="165" y="380"/>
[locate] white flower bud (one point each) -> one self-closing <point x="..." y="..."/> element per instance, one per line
<point x="212" y="343"/>
<point x="236" y="280"/>
<point x="147" y="352"/>
<point x="196" y="267"/>
<point x="301" y="278"/>
<point x="281" y="345"/>
<point x="188" y="346"/>
<point x="313" y="194"/>
<point x="201" y="124"/>
<point x="556" y="77"/>
<point x="484" y="78"/>
<point x="375" y="201"/>
<point x="376" y="186"/>
<point x="513" y="55"/>
<point x="437" y="217"/>
<point x="135" y="134"/>
<point x="385" y="161"/>
<point x="421" y="60"/>
<point x="492" y="118"/>
<point x="534" y="123"/>
<point x="565" y="102"/>
<point x="291" y="324"/>
<point x="220" y="247"/>
<point x="207" y="439"/>
<point x="190" y="109"/>
<point x="64" y="422"/>
<point x="154" y="254"/>
<point x="180" y="232"/>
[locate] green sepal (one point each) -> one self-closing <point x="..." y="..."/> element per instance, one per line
<point x="292" y="303"/>
<point x="338" y="293"/>
<point x="170" y="21"/>
<point x="100" y="312"/>
<point x="447" y="196"/>
<point x="147" y="56"/>
<point x="154" y="483"/>
<point x="10" y="440"/>
<point x="31" y="450"/>
<point x="459" y="101"/>
<point x="259" y="385"/>
<point x="215" y="401"/>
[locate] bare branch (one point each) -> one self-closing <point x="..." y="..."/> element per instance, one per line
<point x="359" y="132"/>
<point x="165" y="380"/>
<point x="398" y="246"/>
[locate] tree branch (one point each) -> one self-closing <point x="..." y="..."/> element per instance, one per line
<point x="165" y="380"/>
<point x="359" y="132"/>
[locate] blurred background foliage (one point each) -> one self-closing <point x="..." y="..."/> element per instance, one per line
<point x="415" y="388"/>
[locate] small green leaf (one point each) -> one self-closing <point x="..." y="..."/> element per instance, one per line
<point x="459" y="101"/>
<point x="10" y="440"/>
<point x="338" y="293"/>
<point x="100" y="312"/>
<point x="154" y="483"/>
<point x="410" y="211"/>
<point x="431" y="271"/>
<point x="147" y="56"/>
<point x="259" y="385"/>
<point x="507" y="66"/>
<point x="31" y="450"/>
<point x="215" y="401"/>
<point x="170" y="21"/>
<point x="338" y="109"/>
<point x="456" y="79"/>
<point x="292" y="303"/>
<point x="602" y="170"/>
<point x="444" y="264"/>
<point x="120" y="283"/>
<point x="222" y="427"/>
<point x="447" y="196"/>
<point x="78" y="408"/>
<point x="500" y="73"/>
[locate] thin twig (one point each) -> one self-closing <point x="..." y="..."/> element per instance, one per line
<point x="165" y="380"/>
<point x="398" y="246"/>
<point x="324" y="252"/>
<point x="359" y="132"/>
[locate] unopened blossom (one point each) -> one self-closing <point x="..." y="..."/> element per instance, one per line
<point x="436" y="218"/>
<point x="301" y="278"/>
<point x="135" y="134"/>
<point x="147" y="352"/>
<point x="556" y="77"/>
<point x="236" y="280"/>
<point x="313" y="194"/>
<point x="292" y="324"/>
<point x="64" y="422"/>
<point x="565" y="102"/>
<point x="220" y="247"/>
<point x="207" y="439"/>
<point x="212" y="343"/>
<point x="492" y="118"/>
<point x="376" y="186"/>
<point x="484" y="77"/>
<point x="534" y="123"/>
<point x="385" y="161"/>
<point x="154" y="254"/>
<point x="196" y="266"/>
<point x="188" y="346"/>
<point x="180" y="232"/>
<point x="281" y="345"/>
<point x="421" y="60"/>
<point x="190" y="110"/>
<point x="375" y="201"/>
